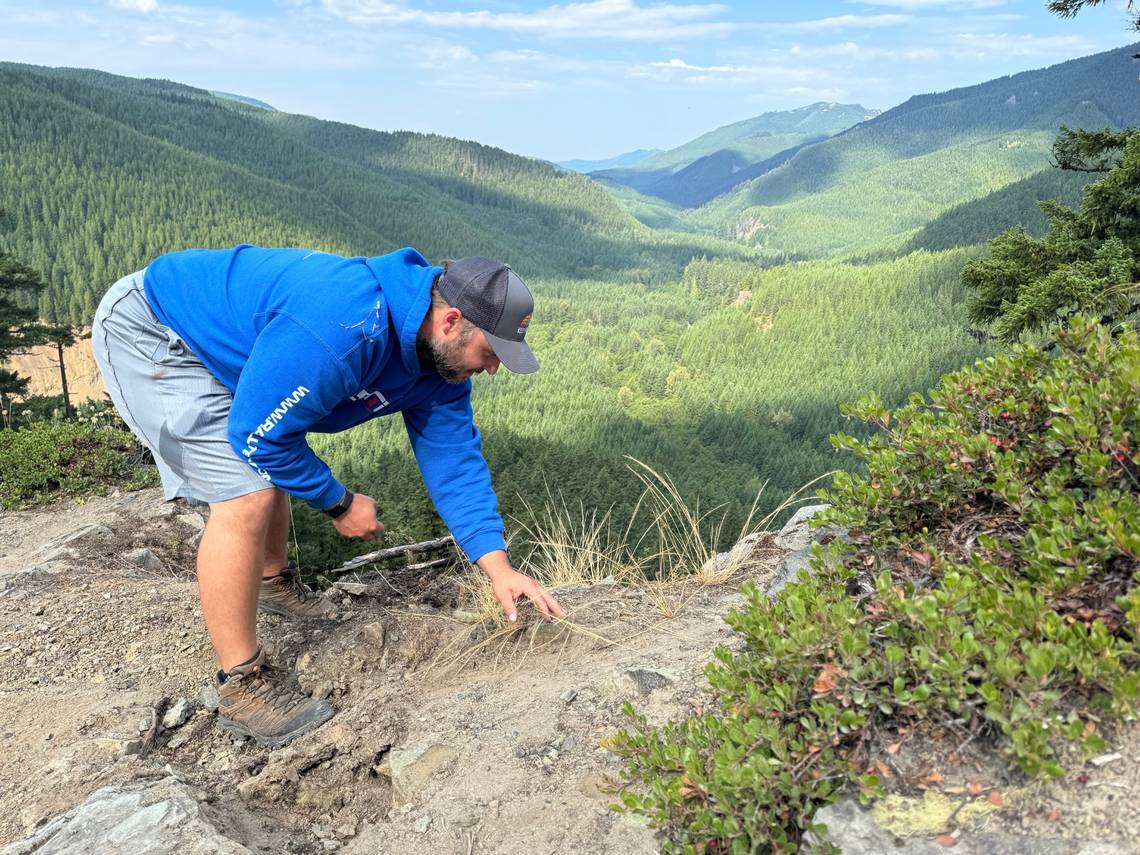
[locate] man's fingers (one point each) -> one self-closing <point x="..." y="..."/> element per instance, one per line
<point x="507" y="602"/>
<point x="539" y="601"/>
<point x="545" y="603"/>
<point x="555" y="609"/>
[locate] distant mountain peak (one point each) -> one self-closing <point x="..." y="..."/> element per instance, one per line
<point x="713" y="163"/>
<point x="629" y="158"/>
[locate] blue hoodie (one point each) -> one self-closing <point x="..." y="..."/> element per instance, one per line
<point x="309" y="341"/>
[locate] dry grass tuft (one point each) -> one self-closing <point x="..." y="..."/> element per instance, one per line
<point x="670" y="562"/>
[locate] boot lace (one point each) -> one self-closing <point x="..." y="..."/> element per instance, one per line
<point x="268" y="684"/>
<point x="292" y="578"/>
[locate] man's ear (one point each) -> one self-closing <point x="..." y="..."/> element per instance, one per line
<point x="452" y="320"/>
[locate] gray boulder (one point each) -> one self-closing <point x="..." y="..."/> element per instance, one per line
<point x="797" y="538"/>
<point x="144" y="558"/>
<point x="855" y="832"/>
<point x="143" y="819"/>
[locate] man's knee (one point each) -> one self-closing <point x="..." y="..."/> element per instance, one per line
<point x="252" y="508"/>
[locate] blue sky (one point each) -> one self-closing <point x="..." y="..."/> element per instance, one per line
<point x="585" y="79"/>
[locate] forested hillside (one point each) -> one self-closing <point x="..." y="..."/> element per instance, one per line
<point x="1015" y="204"/>
<point x="694" y="354"/>
<point x="102" y="173"/>
<point x="872" y="186"/>
<point x="725" y="380"/>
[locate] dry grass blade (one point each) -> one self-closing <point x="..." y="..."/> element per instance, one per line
<point x="572" y="547"/>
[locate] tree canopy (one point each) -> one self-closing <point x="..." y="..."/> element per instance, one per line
<point x="1088" y="262"/>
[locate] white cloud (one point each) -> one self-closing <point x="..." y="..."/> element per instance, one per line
<point x="915" y="5"/>
<point x="158" y="39"/>
<point x="145" y="6"/>
<point x="845" y="22"/>
<point x="599" y="19"/>
<point x="509" y="72"/>
<point x="787" y="76"/>
<point x="857" y="52"/>
<point x="1025" y="44"/>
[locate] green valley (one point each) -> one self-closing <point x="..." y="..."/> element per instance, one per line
<point x="715" y="344"/>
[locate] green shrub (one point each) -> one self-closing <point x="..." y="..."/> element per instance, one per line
<point x="31" y="409"/>
<point x="991" y="579"/>
<point x="47" y="460"/>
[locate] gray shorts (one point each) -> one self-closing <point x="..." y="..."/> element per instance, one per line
<point x="168" y="398"/>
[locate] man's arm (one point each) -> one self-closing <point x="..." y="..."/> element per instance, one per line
<point x="448" y="449"/>
<point x="290" y="381"/>
<point x="449" y="453"/>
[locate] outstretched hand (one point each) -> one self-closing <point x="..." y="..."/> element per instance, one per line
<point x="509" y="585"/>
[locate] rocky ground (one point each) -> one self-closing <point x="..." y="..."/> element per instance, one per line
<point x="450" y="736"/>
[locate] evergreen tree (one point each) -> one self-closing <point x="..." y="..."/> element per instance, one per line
<point x="61" y="336"/>
<point x="1088" y="262"/>
<point x="19" y="328"/>
<point x="1069" y="8"/>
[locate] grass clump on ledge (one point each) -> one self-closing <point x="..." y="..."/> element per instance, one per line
<point x="990" y="587"/>
<point x="45" y="461"/>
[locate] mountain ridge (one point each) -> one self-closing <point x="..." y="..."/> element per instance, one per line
<point x="629" y="158"/>
<point x="701" y="169"/>
<point x="941" y="148"/>
<point x="127" y="169"/>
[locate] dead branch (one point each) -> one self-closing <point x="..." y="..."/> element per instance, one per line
<point x="394" y="552"/>
<point x="424" y="565"/>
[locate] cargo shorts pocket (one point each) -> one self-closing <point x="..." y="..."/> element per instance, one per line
<point x="160" y="344"/>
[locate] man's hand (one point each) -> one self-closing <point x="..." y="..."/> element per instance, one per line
<point x="360" y="519"/>
<point x="509" y="584"/>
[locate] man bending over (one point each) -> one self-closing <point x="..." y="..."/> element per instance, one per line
<point x="221" y="361"/>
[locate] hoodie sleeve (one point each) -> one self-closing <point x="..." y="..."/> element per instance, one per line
<point x="449" y="452"/>
<point x="290" y="382"/>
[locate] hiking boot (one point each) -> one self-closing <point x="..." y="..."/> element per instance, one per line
<point x="286" y="595"/>
<point x="257" y="701"/>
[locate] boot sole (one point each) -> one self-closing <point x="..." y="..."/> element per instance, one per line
<point x="278" y="740"/>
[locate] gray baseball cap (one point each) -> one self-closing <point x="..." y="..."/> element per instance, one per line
<point x="495" y="299"/>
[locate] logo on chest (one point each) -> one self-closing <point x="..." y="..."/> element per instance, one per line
<point x="375" y="401"/>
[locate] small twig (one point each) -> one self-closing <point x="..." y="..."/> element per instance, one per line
<point x="470" y="843"/>
<point x="156" y="714"/>
<point x="805" y="764"/>
<point x="968" y="740"/>
<point x="950" y="825"/>
<point x="423" y="565"/>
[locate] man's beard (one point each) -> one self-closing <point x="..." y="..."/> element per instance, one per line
<point x="444" y="358"/>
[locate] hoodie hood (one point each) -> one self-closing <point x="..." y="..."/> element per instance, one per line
<point x="405" y="279"/>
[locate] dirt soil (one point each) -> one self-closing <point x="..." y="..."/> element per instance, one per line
<point x="450" y="736"/>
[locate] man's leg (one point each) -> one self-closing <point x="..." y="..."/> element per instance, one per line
<point x="180" y="411"/>
<point x="252" y="700"/>
<point x="231" y="559"/>
<point x="282" y="591"/>
<point x="277" y="537"/>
